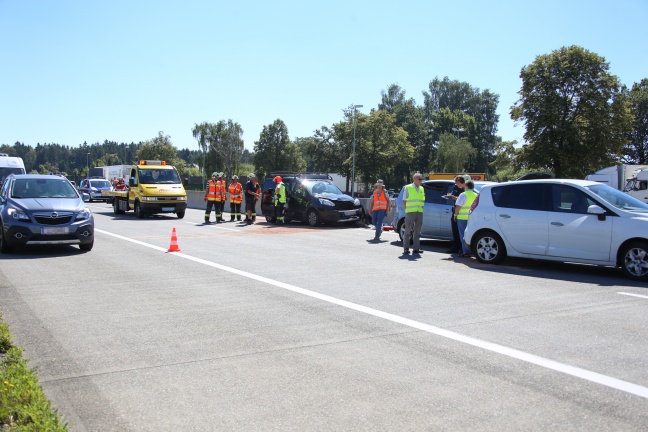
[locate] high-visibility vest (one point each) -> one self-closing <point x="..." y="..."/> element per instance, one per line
<point x="280" y="194"/>
<point x="415" y="199"/>
<point x="464" y="210"/>
<point x="235" y="191"/>
<point x="221" y="194"/>
<point x="211" y="190"/>
<point x="380" y="201"/>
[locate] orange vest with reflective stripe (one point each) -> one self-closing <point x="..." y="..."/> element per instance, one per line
<point x="211" y="191"/>
<point x="380" y="201"/>
<point x="235" y="191"/>
<point x="221" y="194"/>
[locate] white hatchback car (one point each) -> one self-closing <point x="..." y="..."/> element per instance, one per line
<point x="575" y="221"/>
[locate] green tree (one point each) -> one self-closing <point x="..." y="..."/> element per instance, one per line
<point x="161" y="148"/>
<point x="576" y="116"/>
<point x="481" y="105"/>
<point x="636" y="151"/>
<point x="381" y="145"/>
<point x="411" y="118"/>
<point x="454" y="154"/>
<point x="275" y="152"/>
<point x="226" y="140"/>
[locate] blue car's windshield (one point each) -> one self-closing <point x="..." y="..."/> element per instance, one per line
<point x="54" y="187"/>
<point x="618" y="199"/>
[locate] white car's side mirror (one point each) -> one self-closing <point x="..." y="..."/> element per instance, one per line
<point x="595" y="210"/>
<point x="598" y="211"/>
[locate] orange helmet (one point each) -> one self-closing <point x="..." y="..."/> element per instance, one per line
<point x="277" y="179"/>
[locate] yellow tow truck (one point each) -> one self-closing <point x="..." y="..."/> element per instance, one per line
<point x="153" y="187"/>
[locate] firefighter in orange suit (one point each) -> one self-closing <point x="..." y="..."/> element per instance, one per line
<point x="210" y="198"/>
<point x="235" y="196"/>
<point x="221" y="196"/>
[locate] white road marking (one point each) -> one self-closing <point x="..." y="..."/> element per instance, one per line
<point x="633" y="295"/>
<point x="611" y="382"/>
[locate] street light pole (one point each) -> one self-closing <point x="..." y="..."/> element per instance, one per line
<point x="355" y="109"/>
<point x="458" y="131"/>
<point x="88" y="163"/>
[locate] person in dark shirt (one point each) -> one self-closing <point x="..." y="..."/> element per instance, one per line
<point x="252" y="194"/>
<point x="460" y="183"/>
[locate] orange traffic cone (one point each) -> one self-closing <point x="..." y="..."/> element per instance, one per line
<point x="174" y="242"/>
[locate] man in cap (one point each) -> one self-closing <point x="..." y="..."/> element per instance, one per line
<point x="210" y="198"/>
<point x="252" y="194"/>
<point x="413" y="201"/>
<point x="236" y="196"/>
<point x="379" y="207"/>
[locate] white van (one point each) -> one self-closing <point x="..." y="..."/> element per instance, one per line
<point x="10" y="165"/>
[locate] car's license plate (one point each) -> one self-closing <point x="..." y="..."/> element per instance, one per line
<point x="350" y="213"/>
<point x="54" y="231"/>
<point x="168" y="208"/>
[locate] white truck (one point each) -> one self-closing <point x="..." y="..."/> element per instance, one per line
<point x="113" y="171"/>
<point x="631" y="179"/>
<point x="10" y="165"/>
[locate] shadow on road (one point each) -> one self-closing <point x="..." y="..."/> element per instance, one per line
<point x="584" y="273"/>
<point x="42" y="251"/>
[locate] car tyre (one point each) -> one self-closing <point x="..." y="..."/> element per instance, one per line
<point x="139" y="214"/>
<point x="634" y="260"/>
<point x="181" y="214"/>
<point x="116" y="209"/>
<point x="401" y="232"/>
<point x="312" y="218"/>
<point x="86" y="247"/>
<point x="4" y="247"/>
<point x="488" y="247"/>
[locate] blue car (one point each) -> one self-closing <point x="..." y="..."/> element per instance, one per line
<point x="43" y="209"/>
<point x="437" y="210"/>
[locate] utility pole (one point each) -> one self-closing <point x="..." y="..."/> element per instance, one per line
<point x="355" y="110"/>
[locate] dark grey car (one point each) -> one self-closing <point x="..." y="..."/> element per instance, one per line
<point x="43" y="209"/>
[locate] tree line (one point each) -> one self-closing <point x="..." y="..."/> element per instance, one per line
<point x="578" y="118"/>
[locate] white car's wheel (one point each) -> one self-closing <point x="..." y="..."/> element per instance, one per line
<point x="634" y="261"/>
<point x="488" y="247"/>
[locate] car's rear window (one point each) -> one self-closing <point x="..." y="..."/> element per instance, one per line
<point x="521" y="196"/>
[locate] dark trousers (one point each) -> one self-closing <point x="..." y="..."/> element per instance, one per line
<point x="456" y="241"/>
<point x="235" y="211"/>
<point x="208" y="210"/>
<point x="220" y="208"/>
<point x="279" y="211"/>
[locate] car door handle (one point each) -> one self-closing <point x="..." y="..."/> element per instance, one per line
<point x="505" y="216"/>
<point x="557" y="224"/>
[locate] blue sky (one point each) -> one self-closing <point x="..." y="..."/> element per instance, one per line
<point x="75" y="71"/>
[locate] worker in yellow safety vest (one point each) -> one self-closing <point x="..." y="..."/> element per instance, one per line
<point x="279" y="199"/>
<point x="413" y="201"/>
<point x="236" y="196"/>
<point x="461" y="212"/>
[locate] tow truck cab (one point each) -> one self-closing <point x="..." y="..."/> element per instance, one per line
<point x="155" y="187"/>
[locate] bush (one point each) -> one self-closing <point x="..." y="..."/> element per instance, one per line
<point x="23" y="405"/>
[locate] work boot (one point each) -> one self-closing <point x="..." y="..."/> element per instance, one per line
<point x="207" y="222"/>
<point x="231" y="218"/>
<point x="249" y="222"/>
<point x="238" y="218"/>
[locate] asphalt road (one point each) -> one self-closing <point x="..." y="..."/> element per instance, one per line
<point x="294" y="328"/>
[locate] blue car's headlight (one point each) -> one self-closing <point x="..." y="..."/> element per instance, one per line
<point x="17" y="214"/>
<point x="356" y="202"/>
<point x="326" y="202"/>
<point x="83" y="214"/>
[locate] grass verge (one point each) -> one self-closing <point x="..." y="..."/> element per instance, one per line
<point x="23" y="405"/>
